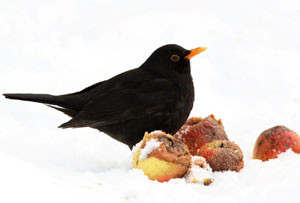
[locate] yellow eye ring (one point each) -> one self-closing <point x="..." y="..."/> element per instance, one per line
<point x="175" y="58"/>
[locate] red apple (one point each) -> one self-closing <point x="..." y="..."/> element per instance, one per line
<point x="197" y="131"/>
<point x="223" y="155"/>
<point x="274" y="141"/>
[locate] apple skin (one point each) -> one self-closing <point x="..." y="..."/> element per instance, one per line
<point x="274" y="141"/>
<point x="223" y="155"/>
<point x="170" y="159"/>
<point x="196" y="132"/>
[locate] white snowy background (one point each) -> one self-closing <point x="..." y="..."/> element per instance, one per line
<point x="249" y="77"/>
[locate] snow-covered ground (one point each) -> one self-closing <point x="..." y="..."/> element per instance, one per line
<point x="249" y="77"/>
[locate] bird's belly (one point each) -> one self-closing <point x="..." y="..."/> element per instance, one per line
<point x="132" y="131"/>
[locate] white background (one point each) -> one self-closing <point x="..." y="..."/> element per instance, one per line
<point x="248" y="77"/>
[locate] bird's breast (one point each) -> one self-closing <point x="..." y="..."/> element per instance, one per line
<point x="183" y="104"/>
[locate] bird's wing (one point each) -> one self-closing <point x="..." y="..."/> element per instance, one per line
<point x="122" y="104"/>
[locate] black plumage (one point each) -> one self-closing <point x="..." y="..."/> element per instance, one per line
<point x="158" y="95"/>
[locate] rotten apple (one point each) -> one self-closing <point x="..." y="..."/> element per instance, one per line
<point x="223" y="155"/>
<point x="161" y="156"/>
<point x="196" y="132"/>
<point x="274" y="141"/>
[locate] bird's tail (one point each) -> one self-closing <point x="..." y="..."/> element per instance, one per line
<point x="47" y="99"/>
<point x="40" y="98"/>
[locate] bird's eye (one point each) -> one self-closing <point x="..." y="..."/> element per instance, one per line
<point x="175" y="58"/>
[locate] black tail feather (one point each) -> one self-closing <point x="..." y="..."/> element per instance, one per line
<point x="40" y="98"/>
<point x="69" y="112"/>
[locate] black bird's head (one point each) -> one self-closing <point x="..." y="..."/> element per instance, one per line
<point x="170" y="59"/>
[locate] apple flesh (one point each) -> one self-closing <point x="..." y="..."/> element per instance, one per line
<point x="196" y="132"/>
<point x="222" y="155"/>
<point x="274" y="141"/>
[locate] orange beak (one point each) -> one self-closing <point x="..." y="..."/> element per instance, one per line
<point x="194" y="52"/>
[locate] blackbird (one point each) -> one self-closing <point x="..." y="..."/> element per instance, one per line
<point x="158" y="95"/>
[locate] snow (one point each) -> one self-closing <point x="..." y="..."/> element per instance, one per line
<point x="183" y="132"/>
<point x="199" y="171"/>
<point x="151" y="145"/>
<point x="155" y="132"/>
<point x="248" y="77"/>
